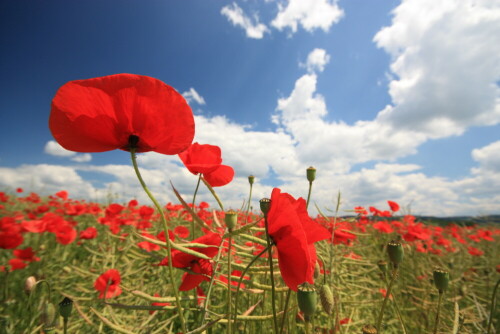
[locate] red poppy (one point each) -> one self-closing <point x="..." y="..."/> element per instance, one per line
<point x="19" y="190"/>
<point x="474" y="251"/>
<point x="393" y="205"/>
<point x="121" y="111"/>
<point x="206" y="159"/>
<point x="110" y="279"/>
<point x="10" y="233"/>
<point x="26" y="254"/>
<point x="200" y="269"/>
<point x="89" y="233"/>
<point x="294" y="234"/>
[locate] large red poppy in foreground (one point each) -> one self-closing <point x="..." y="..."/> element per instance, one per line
<point x="207" y="160"/>
<point x="294" y="233"/>
<point x="120" y="112"/>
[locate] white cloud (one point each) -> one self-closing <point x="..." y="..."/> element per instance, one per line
<point x="488" y="157"/>
<point x="310" y="14"/>
<point x="316" y="60"/>
<point x="53" y="148"/>
<point x="238" y="18"/>
<point x="446" y="66"/>
<point x="192" y="95"/>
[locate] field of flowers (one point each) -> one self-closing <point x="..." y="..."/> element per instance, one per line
<point x="109" y="260"/>
<point x="71" y="266"/>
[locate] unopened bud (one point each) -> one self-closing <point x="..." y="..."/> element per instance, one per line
<point x="251" y="179"/>
<point x="65" y="307"/>
<point x="326" y="298"/>
<point x="29" y="284"/>
<point x="231" y="219"/>
<point x="307" y="299"/>
<point x="395" y="252"/>
<point x="49" y="317"/>
<point x="265" y="205"/>
<point x="317" y="271"/>
<point x="441" y="279"/>
<point x="311" y="174"/>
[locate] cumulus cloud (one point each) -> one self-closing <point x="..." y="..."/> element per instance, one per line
<point x="53" y="148"/>
<point x="192" y="96"/>
<point x="253" y="28"/>
<point x="445" y="66"/>
<point x="316" y="60"/>
<point x="310" y="14"/>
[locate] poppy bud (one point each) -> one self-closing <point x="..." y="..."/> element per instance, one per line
<point x="49" y="317"/>
<point x="369" y="329"/>
<point x="396" y="253"/>
<point x="29" y="284"/>
<point x="231" y="218"/>
<point x="65" y="308"/>
<point x="265" y="205"/>
<point x="326" y="298"/>
<point x="441" y="279"/>
<point x="251" y="178"/>
<point x="317" y="271"/>
<point x="307" y="299"/>
<point x="311" y="174"/>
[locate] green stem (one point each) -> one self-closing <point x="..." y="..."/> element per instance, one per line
<point x="237" y="294"/>
<point x="194" y="201"/>
<point x="389" y="288"/>
<point x="166" y="230"/>
<point x="273" y="290"/>
<point x="283" y="320"/>
<point x="249" y="201"/>
<point x="309" y="194"/>
<point x="436" y="322"/>
<point x="493" y="304"/>
<point x="211" y="284"/>
<point x="229" y="310"/>
<point x="65" y="325"/>
<point x="396" y="307"/>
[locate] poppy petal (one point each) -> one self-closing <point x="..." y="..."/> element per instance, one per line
<point x="220" y="177"/>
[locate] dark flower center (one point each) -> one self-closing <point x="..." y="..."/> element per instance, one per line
<point x="133" y="140"/>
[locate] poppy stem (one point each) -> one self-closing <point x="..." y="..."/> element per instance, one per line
<point x="283" y="320"/>
<point x="273" y="290"/>
<point x="249" y="201"/>
<point x="241" y="279"/>
<point x="166" y="229"/>
<point x="309" y="194"/>
<point x="194" y="201"/>
<point x="229" y="310"/>
<point x="493" y="304"/>
<point x="388" y="293"/>
<point x="436" y="322"/>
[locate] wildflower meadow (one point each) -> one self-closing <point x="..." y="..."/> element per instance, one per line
<point x="72" y="266"/>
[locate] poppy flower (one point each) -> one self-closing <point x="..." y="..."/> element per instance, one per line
<point x="393" y="205"/>
<point x="121" y="111"/>
<point x="206" y="159"/>
<point x="110" y="279"/>
<point x="294" y="234"/>
<point x="199" y="269"/>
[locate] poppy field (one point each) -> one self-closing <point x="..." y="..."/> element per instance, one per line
<point x="73" y="266"/>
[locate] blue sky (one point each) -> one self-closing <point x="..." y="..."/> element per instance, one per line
<point x="390" y="100"/>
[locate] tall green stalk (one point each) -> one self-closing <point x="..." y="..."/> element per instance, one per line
<point x="273" y="289"/>
<point x="493" y="304"/>
<point x="166" y="230"/>
<point x="436" y="321"/>
<point x="193" y="236"/>
<point x="389" y="288"/>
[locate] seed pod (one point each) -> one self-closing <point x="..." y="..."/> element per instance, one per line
<point x="307" y="299"/>
<point x="65" y="307"/>
<point x="29" y="284"/>
<point x="396" y="253"/>
<point x="265" y="205"/>
<point x="369" y="329"/>
<point x="231" y="219"/>
<point x="311" y="174"/>
<point x="326" y="298"/>
<point x="441" y="279"/>
<point x="251" y="179"/>
<point x="49" y="317"/>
